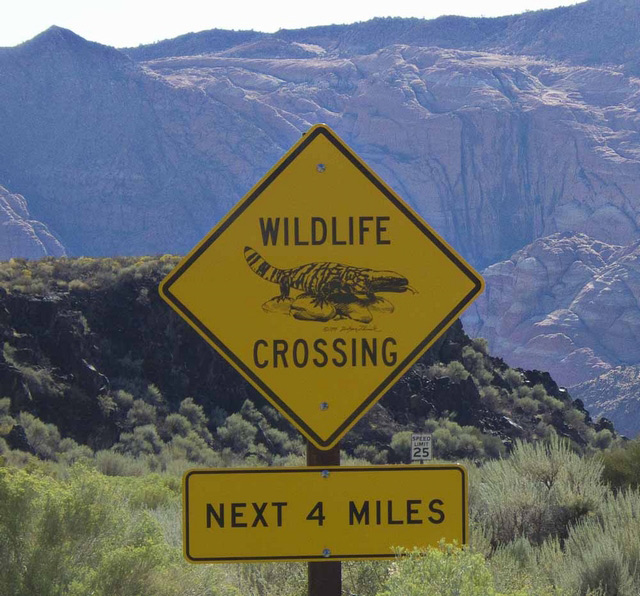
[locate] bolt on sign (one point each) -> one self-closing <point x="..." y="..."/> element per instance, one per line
<point x="321" y="287"/>
<point x="319" y="514"/>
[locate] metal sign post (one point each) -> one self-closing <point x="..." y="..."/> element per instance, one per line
<point x="324" y="579"/>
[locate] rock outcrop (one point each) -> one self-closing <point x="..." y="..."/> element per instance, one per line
<point x="566" y="303"/>
<point x="21" y="236"/>
<point x="615" y="395"/>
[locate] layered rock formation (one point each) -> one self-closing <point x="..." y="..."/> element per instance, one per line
<point x="114" y="158"/>
<point x="493" y="150"/>
<point x="615" y="395"/>
<point x="567" y="303"/>
<point x="22" y="236"/>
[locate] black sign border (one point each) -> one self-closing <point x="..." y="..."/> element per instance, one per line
<point x="393" y="376"/>
<point x="313" y="470"/>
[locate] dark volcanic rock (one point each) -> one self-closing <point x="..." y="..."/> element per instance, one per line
<point x="67" y="356"/>
<point x="17" y="439"/>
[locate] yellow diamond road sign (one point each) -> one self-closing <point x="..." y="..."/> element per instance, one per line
<point x="314" y="514"/>
<point x="321" y="287"/>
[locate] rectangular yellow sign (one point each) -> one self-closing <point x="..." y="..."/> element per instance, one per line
<point x="320" y="514"/>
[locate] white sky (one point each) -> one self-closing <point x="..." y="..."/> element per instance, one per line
<point x="131" y="22"/>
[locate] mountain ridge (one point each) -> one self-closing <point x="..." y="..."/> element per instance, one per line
<point x="605" y="38"/>
<point x="184" y="138"/>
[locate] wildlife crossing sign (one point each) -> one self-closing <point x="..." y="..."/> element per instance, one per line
<point x="321" y="287"/>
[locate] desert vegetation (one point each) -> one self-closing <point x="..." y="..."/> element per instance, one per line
<point x="544" y="520"/>
<point x="99" y="419"/>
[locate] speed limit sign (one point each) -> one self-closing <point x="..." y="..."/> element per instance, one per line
<point x="421" y="447"/>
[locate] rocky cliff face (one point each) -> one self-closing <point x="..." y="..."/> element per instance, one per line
<point x="493" y="150"/>
<point x="21" y="236"/>
<point x="114" y="159"/>
<point x="566" y="303"/>
<point x="615" y="395"/>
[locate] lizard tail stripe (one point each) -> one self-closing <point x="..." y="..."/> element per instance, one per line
<point x="261" y="267"/>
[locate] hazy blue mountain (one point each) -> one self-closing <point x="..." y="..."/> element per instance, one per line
<point x="589" y="33"/>
<point x="495" y="150"/>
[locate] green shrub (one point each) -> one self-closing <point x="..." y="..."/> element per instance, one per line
<point x="371" y="453"/>
<point x="237" y="434"/>
<point x="55" y="536"/>
<point x="513" y="377"/>
<point x="401" y="446"/>
<point x="456" y="372"/>
<point x="473" y="361"/>
<point x="6" y="420"/>
<point x="538" y="492"/>
<point x="622" y="466"/>
<point x="603" y="553"/>
<point x="175" y="425"/>
<point x="603" y="439"/>
<point x="491" y="397"/>
<point x="574" y="418"/>
<point x="194" y="413"/>
<point x="69" y="452"/>
<point x="193" y="448"/>
<point x="112" y="463"/>
<point x="124" y="399"/>
<point x="43" y="438"/>
<point x="143" y="440"/>
<point x="480" y="344"/>
<point x="528" y="405"/>
<point x="151" y="491"/>
<point x="446" y="571"/>
<point x="141" y="414"/>
<point x="5" y="407"/>
<point x="493" y="446"/>
<point x="552" y="403"/>
<point x="539" y="392"/>
<point x="154" y="396"/>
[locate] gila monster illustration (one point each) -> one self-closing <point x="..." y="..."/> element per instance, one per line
<point x="329" y="290"/>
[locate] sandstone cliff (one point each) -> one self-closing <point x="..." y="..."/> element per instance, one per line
<point x="567" y="303"/>
<point x="21" y="236"/>
<point x="615" y="395"/>
<point x="493" y="150"/>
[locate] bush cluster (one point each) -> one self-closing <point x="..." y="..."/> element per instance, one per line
<point x="544" y="521"/>
<point x="51" y="275"/>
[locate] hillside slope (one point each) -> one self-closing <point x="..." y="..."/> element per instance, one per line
<point x="89" y="346"/>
